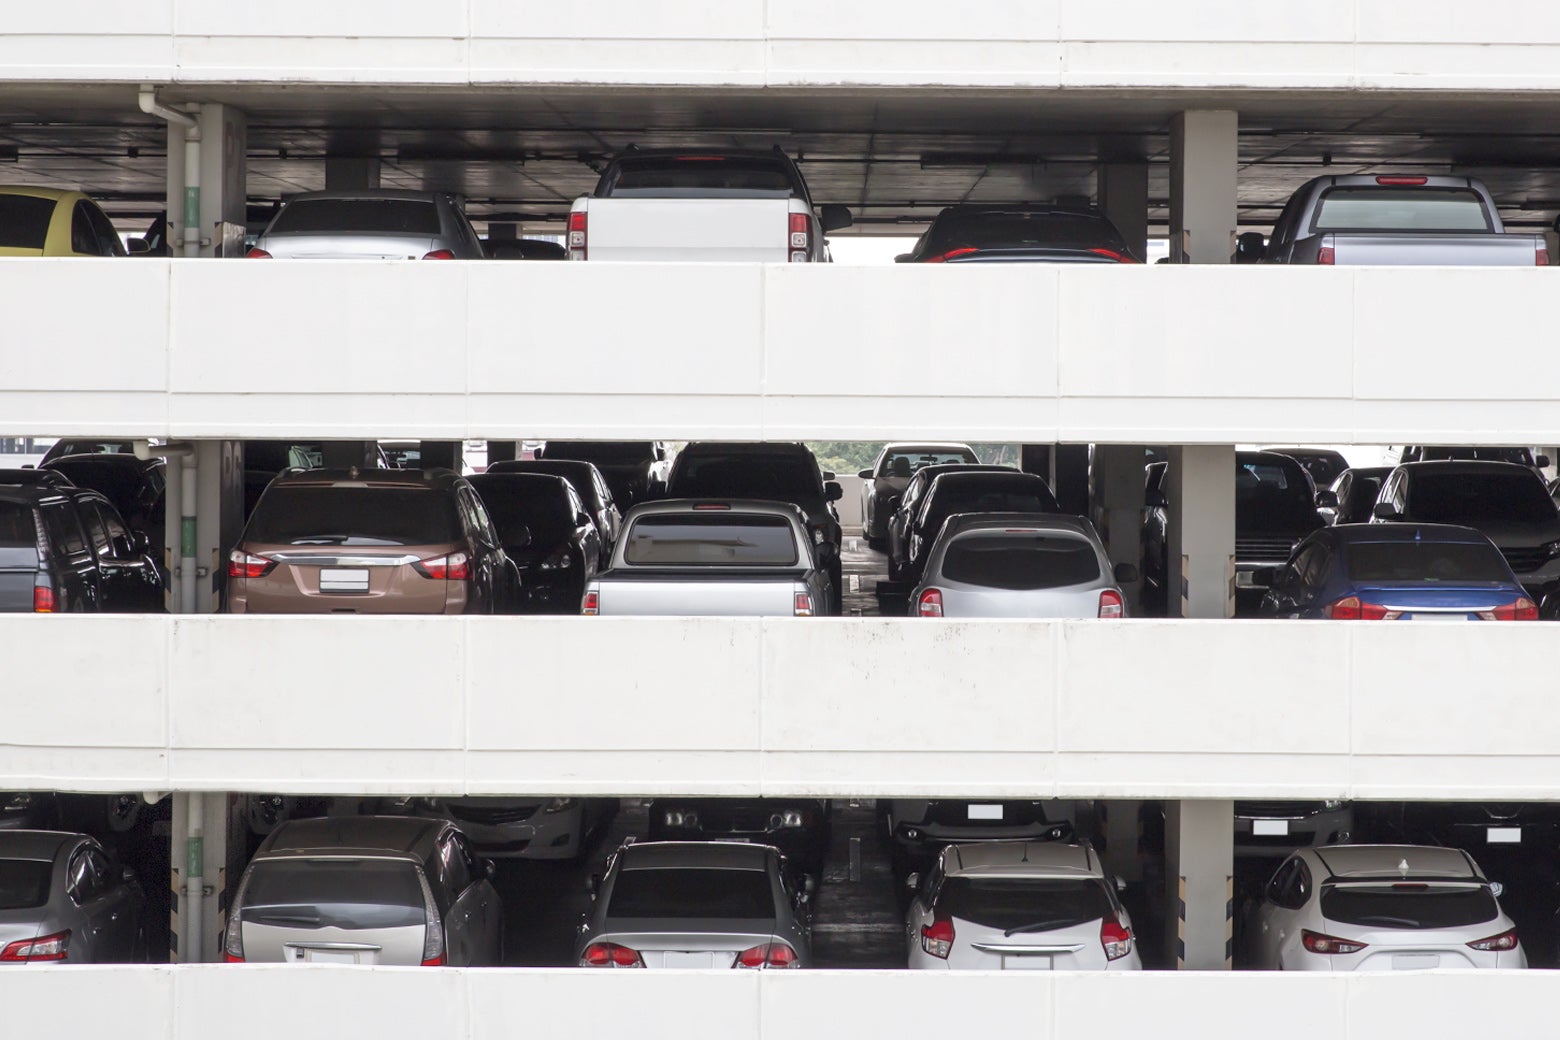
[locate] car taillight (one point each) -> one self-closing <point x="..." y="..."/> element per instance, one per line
<point x="1401" y="181"/>
<point x="44" y="601"/>
<point x="767" y="955"/>
<point x="433" y="925"/>
<point x="1316" y="942"/>
<point x="1522" y="610"/>
<point x="233" y="934"/>
<point x="803" y="606"/>
<point x="1349" y="608"/>
<point x="256" y="253"/>
<point x="800" y="238"/>
<point x="1325" y="255"/>
<point x="1110" y="604"/>
<point x="610" y="955"/>
<point x="1111" y="254"/>
<point x="44" y="948"/>
<point x="591" y="606"/>
<point x="578" y="240"/>
<point x="1540" y="254"/>
<point x="439" y="254"/>
<point x="248" y="565"/>
<point x="454" y="567"/>
<point x="1116" y="940"/>
<point x="228" y="958"/>
<point x="937" y="937"/>
<point x="942" y="258"/>
<point x="434" y="962"/>
<point x="1496" y="943"/>
<point x="930" y="604"/>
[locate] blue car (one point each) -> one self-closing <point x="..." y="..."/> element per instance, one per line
<point x="1397" y="572"/>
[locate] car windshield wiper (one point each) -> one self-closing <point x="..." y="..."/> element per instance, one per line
<point x="1405" y="922"/>
<point x="1039" y="926"/>
<point x="320" y="539"/>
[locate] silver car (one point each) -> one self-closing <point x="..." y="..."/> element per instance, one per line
<point x="368" y="225"/>
<point x="697" y="904"/>
<point x="520" y="828"/>
<point x="1020" y="565"/>
<point x="366" y="890"/>
<point x="63" y="899"/>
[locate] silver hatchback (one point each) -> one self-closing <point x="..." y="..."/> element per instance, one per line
<point x="369" y="225"/>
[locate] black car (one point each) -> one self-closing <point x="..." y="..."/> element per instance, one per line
<point x="889" y="475"/>
<point x="635" y="471"/>
<point x="800" y="828"/>
<point x="1324" y="465"/>
<point x="88" y="446"/>
<point x="774" y="471"/>
<point x="588" y="483"/>
<point x="545" y="529"/>
<point x="969" y="492"/>
<point x="138" y="488"/>
<point x="903" y="506"/>
<point x="1353" y="495"/>
<point x="1019" y="232"/>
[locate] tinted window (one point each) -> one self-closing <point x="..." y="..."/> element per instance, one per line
<point x="82" y="881"/>
<point x="16" y="525"/>
<point x="1408" y="905"/>
<point x="121" y="485"/>
<point x="1017" y="229"/>
<point x="1426" y="561"/>
<point x="692" y="892"/>
<point x="83" y="237"/>
<point x="718" y="539"/>
<point x="1273" y="496"/>
<point x="386" y="216"/>
<point x="1377" y="208"/>
<point x="1037" y="904"/>
<point x="545" y="511"/>
<point x="999" y="495"/>
<point x="1520" y="456"/>
<point x="746" y="475"/>
<point x="24" y="222"/>
<point x="108" y="239"/>
<point x="672" y="177"/>
<point x="64" y="529"/>
<point x="903" y="464"/>
<point x="1363" y="492"/>
<point x="600" y="452"/>
<point x="334" y="892"/>
<point x="295" y="515"/>
<point x="24" y="883"/>
<point x="1020" y="561"/>
<point x="95" y="529"/>
<point x="1473" y="498"/>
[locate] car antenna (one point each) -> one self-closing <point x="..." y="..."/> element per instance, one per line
<point x="1025" y="858"/>
<point x="1403" y="866"/>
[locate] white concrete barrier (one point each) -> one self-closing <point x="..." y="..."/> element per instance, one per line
<point x="1154" y="355"/>
<point x="828" y="707"/>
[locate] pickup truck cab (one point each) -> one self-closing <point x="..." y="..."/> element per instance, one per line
<point x="1392" y="219"/>
<point x="702" y="205"/>
<point x="729" y="558"/>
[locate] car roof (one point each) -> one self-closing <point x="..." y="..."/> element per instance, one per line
<point x="34" y="845"/>
<point x="926" y="446"/>
<point x="1369" y="471"/>
<point x="1010" y="858"/>
<point x="1393" y="862"/>
<point x="1465" y="467"/>
<point x="969" y="473"/>
<point x="1351" y="534"/>
<point x="708" y="855"/>
<point x="745" y="448"/>
<point x="937" y="469"/>
<point x="405" y="835"/>
<point x="518" y="479"/>
<point x="367" y="195"/>
<point x="434" y="479"/>
<point x="122" y="459"/>
<point x="1246" y="458"/>
<point x="1040" y="208"/>
<point x="34" y="191"/>
<point x="736" y="505"/>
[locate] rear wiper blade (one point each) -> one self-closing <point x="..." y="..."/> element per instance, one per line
<point x="1037" y="926"/>
<point x="320" y="539"/>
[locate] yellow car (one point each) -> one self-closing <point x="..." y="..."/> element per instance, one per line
<point x="51" y="222"/>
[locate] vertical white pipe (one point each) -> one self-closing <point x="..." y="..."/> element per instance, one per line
<point x="192" y="184"/>
<point x="192" y="942"/>
<point x="188" y="603"/>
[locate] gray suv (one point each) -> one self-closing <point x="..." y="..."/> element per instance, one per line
<point x="369" y="225"/>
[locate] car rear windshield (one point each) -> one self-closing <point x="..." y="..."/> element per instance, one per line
<point x="905" y="463"/>
<point x="17" y="529"/>
<point x="385" y="216"/>
<point x="1019" y="230"/>
<point x="1475" y="498"/>
<point x="600" y="452"/>
<point x="1273" y="497"/>
<point x="715" y="539"/>
<point x="1001" y="495"/>
<point x="692" y="892"/>
<point x="24" y="221"/>
<point x="334" y="892"/>
<point x="1380" y="208"/>
<point x="1430" y="562"/>
<point x="544" y="511"/>
<point x="121" y="485"/>
<point x="787" y="478"/>
<point x="24" y="883"/>
<point x="1027" y="904"/>
<point x="1020" y="561"/>
<point x="700" y="176"/>
<point x="297" y="515"/>
<point x="1520" y="456"/>
<point x="1408" y="905"/>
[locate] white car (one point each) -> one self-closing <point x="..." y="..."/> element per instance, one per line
<point x="1019" y="906"/>
<point x="1381" y="908"/>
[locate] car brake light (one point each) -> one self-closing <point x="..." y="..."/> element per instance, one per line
<point x="1110" y="604"/>
<point x="1540" y="255"/>
<point x="803" y="606"/>
<point x="43" y="599"/>
<point x="1325" y="255"/>
<point x="937" y="937"/>
<point x="256" y="253"/>
<point x="1504" y="941"/>
<point x="1350" y="608"/>
<point x="1403" y="181"/>
<point x="247" y="565"/>
<point x="228" y="958"/>
<point x="455" y="566"/>
<point x="1522" y="610"/>
<point x="710" y="505"/>
<point x="439" y="254"/>
<point x="1116" y="940"/>
<point x="591" y="605"/>
<point x="767" y="955"/>
<point x="433" y="924"/>
<point x="1316" y="942"/>
<point x="951" y="254"/>
<point x="800" y="238"/>
<point x="434" y="962"/>
<point x="43" y="948"/>
<point x="610" y="955"/>
<point x="930" y="604"/>
<point x="1111" y="254"/>
<point x="233" y="933"/>
<point x="578" y="239"/>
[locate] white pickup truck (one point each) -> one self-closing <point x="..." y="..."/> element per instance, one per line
<point x="708" y="206"/>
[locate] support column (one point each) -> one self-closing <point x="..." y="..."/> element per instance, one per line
<point x="1200" y="535"/>
<point x="1122" y="831"/>
<point x="1063" y="466"/>
<point x="356" y="173"/>
<point x="445" y="454"/>
<point x="1116" y="507"/>
<point x="208" y="853"/>
<point x="204" y="518"/>
<point x="1203" y="164"/>
<point x="223" y="174"/>
<point x="1200" y="868"/>
<point x="1123" y="195"/>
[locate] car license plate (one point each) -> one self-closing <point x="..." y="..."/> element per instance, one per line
<point x="1033" y="962"/>
<point x="984" y="812"/>
<point x="1503" y="836"/>
<point x="1269" y="828"/>
<point x="1415" y="961"/>
<point x="1245" y="580"/>
<point x="343" y="579"/>
<point x="681" y="959"/>
<point x="1441" y="618"/>
<point x="330" y="956"/>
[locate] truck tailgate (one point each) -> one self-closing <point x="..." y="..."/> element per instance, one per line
<point x="689" y="229"/>
<point x="763" y="594"/>
<point x="1422" y="250"/>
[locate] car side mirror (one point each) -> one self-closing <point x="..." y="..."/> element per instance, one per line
<point x="834" y="216"/>
<point x="903" y="258"/>
<point x="1126" y="573"/>
<point x="1542" y="462"/>
<point x="1326" y="499"/>
<point x="1497" y="889"/>
<point x="832" y="490"/>
<point x="865" y="474"/>
<point x="138" y="247"/>
<point x="828" y="474"/>
<point x="139" y="542"/>
<point x="1120" y="883"/>
<point x="1384" y="511"/>
<point x="1250" y="247"/>
<point x="913" y="881"/>
<point x="1155" y="499"/>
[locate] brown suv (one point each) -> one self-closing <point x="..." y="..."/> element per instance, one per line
<point x="370" y="542"/>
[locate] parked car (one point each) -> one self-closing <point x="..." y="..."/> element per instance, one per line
<point x="1019" y="232"/>
<point x="63" y="899"/>
<point x="966" y="492"/>
<point x="902" y="508"/>
<point x="54" y="222"/>
<point x="517" y="828"/>
<point x="1019" y="565"/>
<point x="369" y="224"/>
<point x="1399" y="219"/>
<point x="730" y="557"/>
<point x="1323" y="464"/>
<point x="696" y="904"/>
<point x="29" y="811"/>
<point x="1521" y="456"/>
<point x="138" y="489"/>
<point x="370" y="542"/>
<point x="387" y="890"/>
<point x="1353" y="495"/>
<point x="890" y="472"/>
<point x="1381" y="908"/>
<point x="635" y="471"/>
<point x="1276" y="828"/>
<point x="1506" y="502"/>
<point x="702" y="205"/>
<point x="588" y="483"/>
<point x="545" y="531"/>
<point x="89" y="446"/>
<point x="919" y="829"/>
<point x="525" y="249"/>
<point x="715" y="470"/>
<point x="1396" y="572"/>
<point x="801" y="828"/>
<point x="1019" y="906"/>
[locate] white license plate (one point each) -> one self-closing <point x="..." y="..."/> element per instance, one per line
<point x="1035" y="962"/>
<point x="343" y="579"/>
<point x="679" y="959"/>
<point x="1435" y="618"/>
<point x="985" y="812"/>
<point x="1269" y="828"/>
<point x="1503" y="836"/>
<point x="1243" y="580"/>
<point x="1415" y="961"/>
<point x="330" y="956"/>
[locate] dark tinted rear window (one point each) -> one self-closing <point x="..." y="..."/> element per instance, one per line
<point x="16" y="525"/>
<point x="1426" y="561"/>
<point x="905" y="463"/>
<point x="24" y="883"/>
<point x="1018" y="230"/>
<point x="1520" y="456"/>
<point x="24" y="221"/>
<point x="1373" y="207"/>
<point x="673" y="177"/>
<point x="515" y="503"/>
<point x="1274" y="496"/>
<point x="1408" y="905"/>
<point x="1020" y="561"/>
<point x="334" y="892"/>
<point x="387" y="216"/>
<point x="64" y="529"/>
<point x="353" y="516"/>
<point x="1030" y="904"/>
<point x="788" y="478"/>
<point x="600" y="452"/>
<point x="692" y="892"/>
<point x="121" y="485"/>
<point x="991" y="495"/>
<point x="1475" y="498"/>
<point x="714" y="539"/>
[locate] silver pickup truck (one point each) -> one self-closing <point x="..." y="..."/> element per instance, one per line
<point x="733" y="558"/>
<point x="1392" y="219"/>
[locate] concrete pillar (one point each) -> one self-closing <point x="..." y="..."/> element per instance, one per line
<point x="1122" y="830"/>
<point x="218" y="513"/>
<point x="1203" y="164"/>
<point x="1116" y="507"/>
<point x="1200" y="864"/>
<point x="221" y="852"/>
<point x="355" y="173"/>
<point x="224" y="132"/>
<point x="1200" y="562"/>
<point x="1070" y="477"/>
<point x="446" y="454"/>
<point x="346" y="454"/>
<point x="1123" y="199"/>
